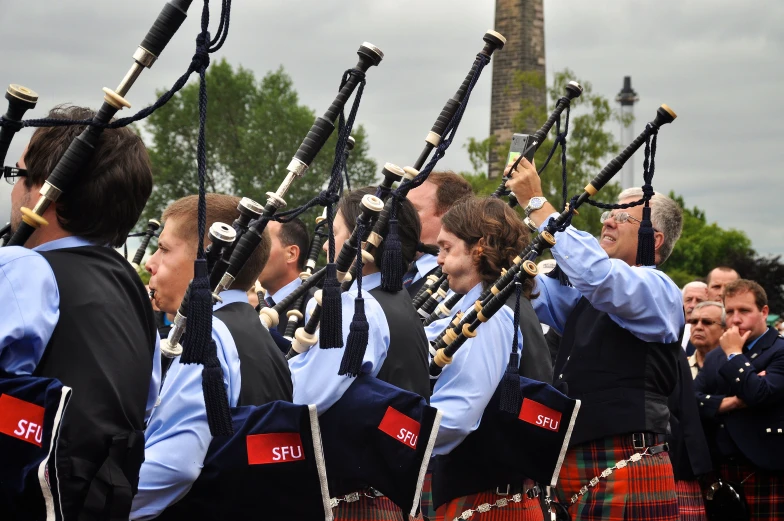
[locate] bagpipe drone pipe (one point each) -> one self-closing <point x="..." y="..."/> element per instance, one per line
<point x="524" y="413"/>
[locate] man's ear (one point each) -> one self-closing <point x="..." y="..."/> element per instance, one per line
<point x="658" y="240"/>
<point x="292" y="254"/>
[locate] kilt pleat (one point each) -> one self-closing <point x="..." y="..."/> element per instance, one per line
<point x="369" y="509"/>
<point x="642" y="490"/>
<point x="526" y="510"/>
<point x="691" y="505"/>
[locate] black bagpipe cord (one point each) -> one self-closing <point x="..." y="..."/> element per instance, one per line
<point x="511" y="397"/>
<point x="331" y="330"/>
<point x="358" y="335"/>
<point x="392" y="269"/>
<point x="198" y="345"/>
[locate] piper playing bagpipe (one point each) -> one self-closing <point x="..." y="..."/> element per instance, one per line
<point x="620" y="319"/>
<point x="478" y="239"/>
<point x="254" y="371"/>
<point x="76" y="314"/>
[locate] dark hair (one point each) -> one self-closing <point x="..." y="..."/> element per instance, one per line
<point x="408" y="228"/>
<point x="493" y="225"/>
<point x="107" y="197"/>
<point x="220" y="208"/>
<point x="295" y="233"/>
<point x="742" y="286"/>
<point x="452" y="188"/>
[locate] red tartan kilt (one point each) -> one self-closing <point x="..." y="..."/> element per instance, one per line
<point x="690" y="501"/>
<point x="369" y="509"/>
<point x="642" y="490"/>
<point x="525" y="510"/>
<point x="764" y="490"/>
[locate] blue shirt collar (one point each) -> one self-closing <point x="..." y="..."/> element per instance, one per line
<point x="65" y="242"/>
<point x="750" y="345"/>
<point x="286" y="290"/>
<point x="426" y="263"/>
<point x="469" y="298"/>
<point x="231" y="296"/>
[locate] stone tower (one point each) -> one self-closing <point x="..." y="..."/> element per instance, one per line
<point x="522" y="23"/>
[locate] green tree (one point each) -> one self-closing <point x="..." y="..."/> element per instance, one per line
<point x="589" y="145"/>
<point x="703" y="246"/>
<point x="253" y="130"/>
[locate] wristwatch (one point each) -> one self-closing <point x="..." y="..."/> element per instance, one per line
<point x="531" y="224"/>
<point x="534" y="204"/>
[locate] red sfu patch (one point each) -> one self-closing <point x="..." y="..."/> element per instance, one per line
<point x="540" y="415"/>
<point x="22" y="420"/>
<point x="401" y="427"/>
<point x="282" y="447"/>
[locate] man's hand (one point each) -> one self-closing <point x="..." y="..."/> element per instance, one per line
<point x="732" y="341"/>
<point x="731" y="403"/>
<point x="524" y="182"/>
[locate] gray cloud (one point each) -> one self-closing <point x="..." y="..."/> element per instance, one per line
<point x="717" y="63"/>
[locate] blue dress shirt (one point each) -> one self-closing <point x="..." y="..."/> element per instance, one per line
<point x="640" y="299"/>
<point x="285" y="291"/>
<point x="178" y="436"/>
<point x="31" y="302"/>
<point x="315" y="373"/>
<point x="466" y="385"/>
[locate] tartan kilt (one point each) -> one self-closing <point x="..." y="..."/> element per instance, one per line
<point x="691" y="506"/>
<point x="641" y="490"/>
<point x="426" y="500"/>
<point x="764" y="489"/>
<point x="368" y="509"/>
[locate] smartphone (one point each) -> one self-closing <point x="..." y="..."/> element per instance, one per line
<point x="519" y="143"/>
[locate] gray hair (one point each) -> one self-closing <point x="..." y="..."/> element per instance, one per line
<point x="666" y="216"/>
<point x="718" y="305"/>
<point x="694" y="284"/>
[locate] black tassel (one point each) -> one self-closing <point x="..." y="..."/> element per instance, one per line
<point x="357" y="342"/>
<point x="392" y="260"/>
<point x="646" y="245"/>
<point x="511" y="398"/>
<point x="216" y="400"/>
<point x="557" y="273"/>
<point x="199" y="333"/>
<point x="331" y="334"/>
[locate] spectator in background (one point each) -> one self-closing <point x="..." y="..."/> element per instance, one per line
<point x="693" y="293"/>
<point x="717" y="278"/>
<point x="740" y="396"/>
<point x="707" y="323"/>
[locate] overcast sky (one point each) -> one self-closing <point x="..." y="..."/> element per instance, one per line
<point x="719" y="64"/>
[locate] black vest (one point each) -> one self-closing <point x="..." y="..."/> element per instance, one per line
<point x="406" y="364"/>
<point x="623" y="382"/>
<point x="263" y="369"/>
<point x="102" y="347"/>
<point x="535" y="362"/>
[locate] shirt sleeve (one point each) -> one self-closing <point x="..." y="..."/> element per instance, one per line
<point x="315" y="372"/>
<point x="642" y="300"/>
<point x="466" y="385"/>
<point x="178" y="436"/>
<point x="31" y="308"/>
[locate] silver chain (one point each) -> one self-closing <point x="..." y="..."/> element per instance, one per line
<point x="350" y="498"/>
<point x="604" y="475"/>
<point x="485" y="507"/>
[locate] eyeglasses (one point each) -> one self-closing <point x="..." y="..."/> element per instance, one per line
<point x="620" y="217"/>
<point x="705" y="322"/>
<point x="11" y="173"/>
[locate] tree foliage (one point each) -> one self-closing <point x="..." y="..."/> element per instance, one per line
<point x="253" y="130"/>
<point x="703" y="246"/>
<point x="589" y="145"/>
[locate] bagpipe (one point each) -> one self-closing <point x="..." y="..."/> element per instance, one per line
<point x="82" y="148"/>
<point x="20" y="100"/>
<point x="522" y="413"/>
<point x="494" y="297"/>
<point x="152" y="227"/>
<point x="429" y="297"/>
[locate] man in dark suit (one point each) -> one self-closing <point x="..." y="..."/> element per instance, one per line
<point x="740" y="395"/>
